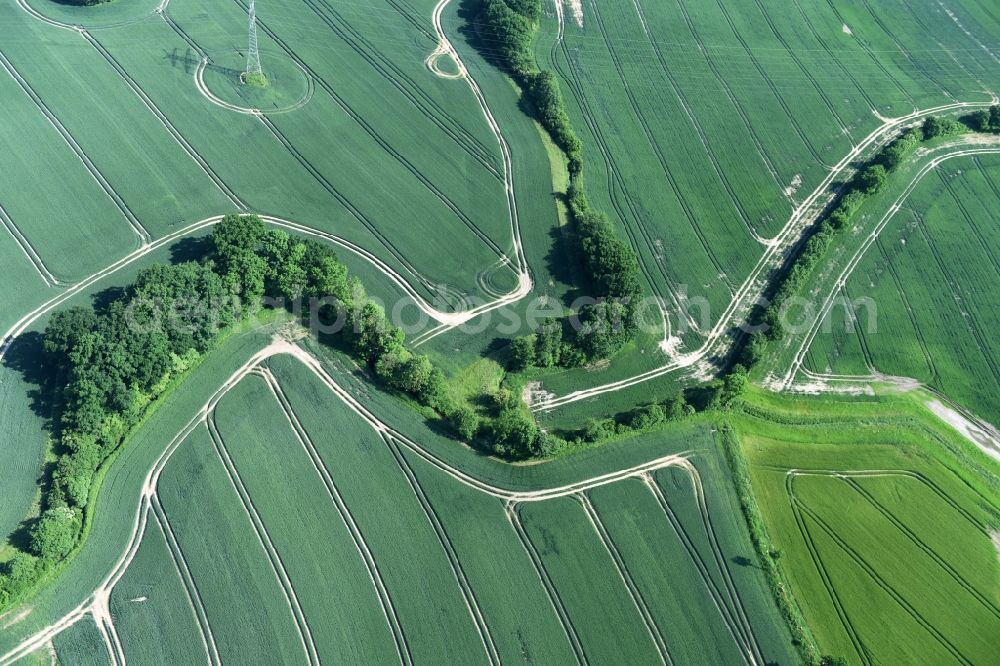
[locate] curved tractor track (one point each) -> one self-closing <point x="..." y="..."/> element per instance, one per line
<point x="96" y="603"/>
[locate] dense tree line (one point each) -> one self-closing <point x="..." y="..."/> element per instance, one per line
<point x="113" y="362"/>
<point x="509" y="27"/>
<point x="986" y="120"/>
<point x="599" y="329"/>
<point x="866" y="182"/>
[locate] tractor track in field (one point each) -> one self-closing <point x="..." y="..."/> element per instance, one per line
<point x="787" y="239"/>
<point x="468" y="594"/>
<point x="892" y="37"/>
<point x="928" y="30"/>
<point x="832" y="55"/>
<point x="769" y="82"/>
<point x="871" y="55"/>
<point x="720" y="561"/>
<point x="800" y="510"/>
<point x="652" y="628"/>
<point x="845" y="620"/>
<point x="340" y="198"/>
<point x="171" y="129"/>
<point x="735" y="628"/>
<point x="614" y="172"/>
<point x="802" y="68"/>
<point x="67" y="137"/>
<point x="925" y="348"/>
<point x="264" y="538"/>
<point x="654" y="145"/>
<point x="414" y="93"/>
<point x="514" y="517"/>
<point x="28" y="250"/>
<point x="876" y="578"/>
<point x="631" y="220"/>
<point x="915" y="539"/>
<point x="970" y="222"/>
<point x="377" y="138"/>
<point x="785" y="380"/>
<point x="205" y="416"/>
<point x="357" y="537"/>
<point x="699" y="129"/>
<point x="191" y="591"/>
<point x="724" y="84"/>
<point x="318" y="175"/>
<point x="968" y="317"/>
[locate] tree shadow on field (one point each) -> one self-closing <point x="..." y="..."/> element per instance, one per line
<point x="744" y="561"/>
<point x="103" y="299"/>
<point x="468" y="12"/>
<point x="27" y="357"/>
<point x="190" y="249"/>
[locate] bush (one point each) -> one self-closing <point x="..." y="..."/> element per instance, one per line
<point x="598" y="429"/>
<point x="872" y="179"/>
<point x="464" y="421"/>
<point x="934" y="126"/>
<point x="510" y="32"/>
<point x="543" y="91"/>
<point x="521" y="353"/>
<point x="54" y="535"/>
<point x="514" y="433"/>
<point x="646" y="417"/>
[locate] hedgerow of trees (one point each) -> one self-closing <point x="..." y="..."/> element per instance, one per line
<point x="114" y="362"/>
<point x="867" y="181"/>
<point x="600" y="329"/>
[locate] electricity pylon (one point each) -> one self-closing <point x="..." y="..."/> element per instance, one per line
<point x="253" y="55"/>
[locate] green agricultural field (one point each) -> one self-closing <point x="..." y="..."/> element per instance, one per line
<point x="262" y="527"/>
<point x="930" y="275"/>
<point x="884" y="536"/>
<point x="440" y="483"/>
<point x="80" y="644"/>
<point x="737" y="110"/>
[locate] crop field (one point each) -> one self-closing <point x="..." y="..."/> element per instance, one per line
<point x="886" y="546"/>
<point x="80" y="644"/>
<point x="930" y="276"/>
<point x="356" y="74"/>
<point x="737" y="111"/>
<point x="255" y="493"/>
<point x="286" y="528"/>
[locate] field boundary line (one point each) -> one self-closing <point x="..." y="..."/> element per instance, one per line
<point x="277" y="564"/>
<point x="357" y="537"/>
<point x="626" y="577"/>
